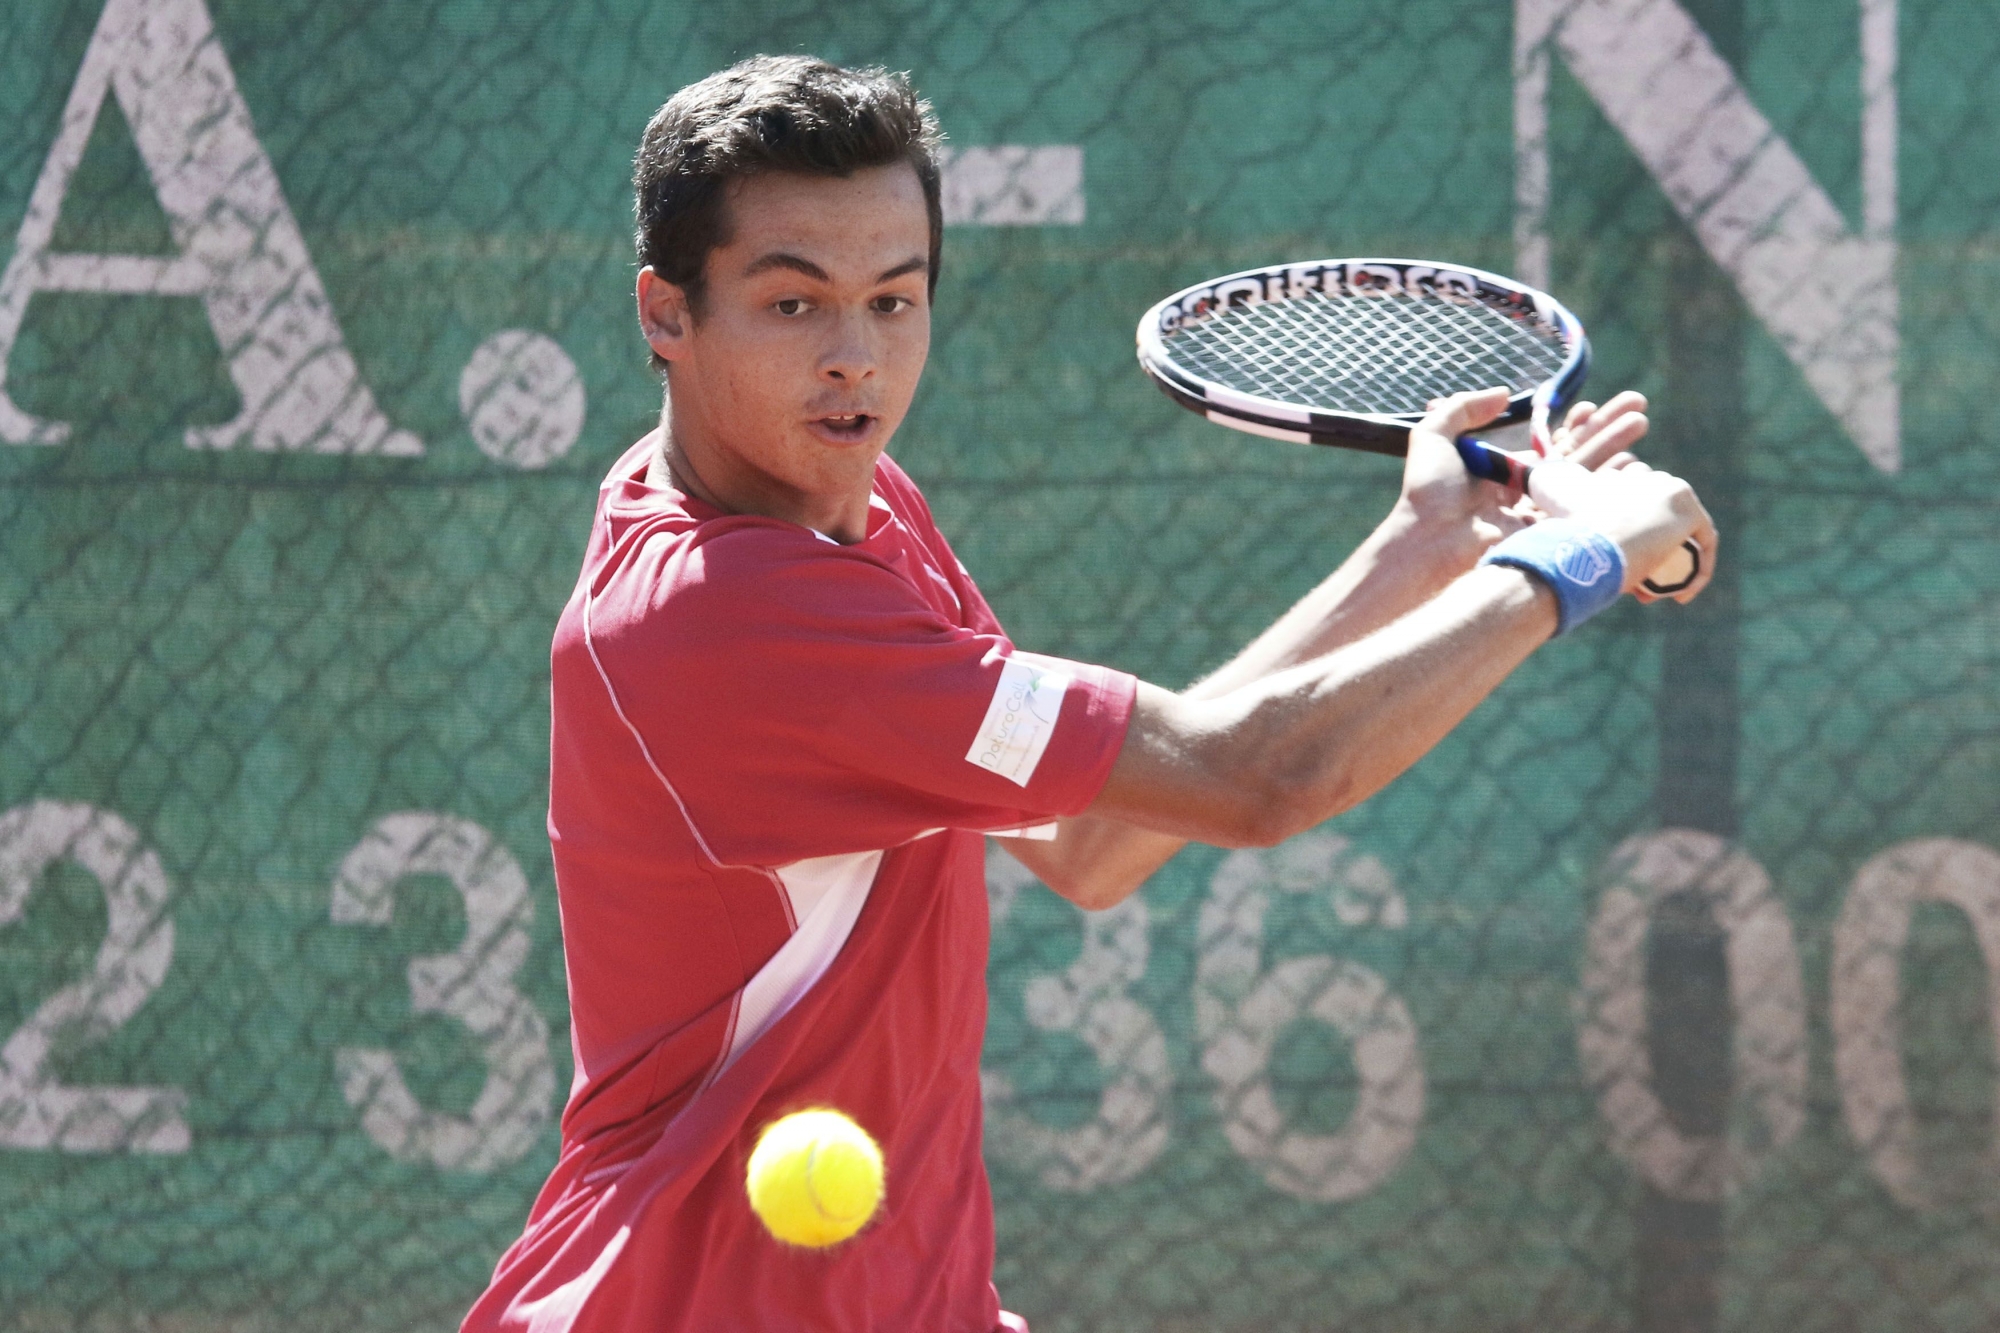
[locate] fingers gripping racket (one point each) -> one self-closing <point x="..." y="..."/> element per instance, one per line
<point x="1350" y="352"/>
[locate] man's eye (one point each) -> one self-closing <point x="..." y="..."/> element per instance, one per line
<point x="889" y="305"/>
<point x="791" y="305"/>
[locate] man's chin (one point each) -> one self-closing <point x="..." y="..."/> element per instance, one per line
<point x="831" y="466"/>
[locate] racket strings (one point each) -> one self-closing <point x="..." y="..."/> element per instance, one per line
<point x="1373" y="354"/>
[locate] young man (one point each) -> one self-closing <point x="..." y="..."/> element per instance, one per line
<point x="784" y="719"/>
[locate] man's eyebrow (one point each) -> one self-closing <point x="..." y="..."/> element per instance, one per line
<point x="798" y="264"/>
<point x="779" y="259"/>
<point x="907" y="266"/>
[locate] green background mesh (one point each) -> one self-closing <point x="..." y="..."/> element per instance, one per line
<point x="249" y="658"/>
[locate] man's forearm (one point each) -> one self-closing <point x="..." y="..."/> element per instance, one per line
<point x="1096" y="862"/>
<point x="1293" y="748"/>
<point x="1402" y="564"/>
<point x="1331" y="733"/>
<point x="1375" y="666"/>
<point x="1283" y="753"/>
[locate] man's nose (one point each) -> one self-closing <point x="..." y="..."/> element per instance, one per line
<point x="850" y="358"/>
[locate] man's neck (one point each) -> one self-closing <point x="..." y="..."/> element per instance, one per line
<point x="713" y="476"/>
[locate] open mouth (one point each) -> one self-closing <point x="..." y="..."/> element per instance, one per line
<point x="845" y="426"/>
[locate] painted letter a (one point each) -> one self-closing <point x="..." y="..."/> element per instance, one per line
<point x="236" y="243"/>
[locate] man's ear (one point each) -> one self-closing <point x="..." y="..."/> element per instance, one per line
<point x="664" y="316"/>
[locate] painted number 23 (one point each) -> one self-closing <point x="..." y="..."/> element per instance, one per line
<point x="473" y="984"/>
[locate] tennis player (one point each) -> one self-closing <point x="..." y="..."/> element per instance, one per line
<point x="785" y="720"/>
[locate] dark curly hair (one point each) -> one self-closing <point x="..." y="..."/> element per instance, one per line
<point x="770" y="113"/>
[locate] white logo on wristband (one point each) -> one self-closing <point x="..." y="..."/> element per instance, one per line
<point x="1582" y="561"/>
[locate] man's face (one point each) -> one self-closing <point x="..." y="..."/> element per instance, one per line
<point x="814" y="328"/>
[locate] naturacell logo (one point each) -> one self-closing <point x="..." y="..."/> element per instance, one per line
<point x="1019" y="721"/>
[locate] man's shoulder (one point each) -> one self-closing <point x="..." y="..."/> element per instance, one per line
<point x="902" y="493"/>
<point x="678" y="578"/>
<point x="889" y="470"/>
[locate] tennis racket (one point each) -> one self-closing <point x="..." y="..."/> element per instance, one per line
<point x="1348" y="352"/>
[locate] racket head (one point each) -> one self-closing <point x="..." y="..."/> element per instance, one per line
<point x="1348" y="352"/>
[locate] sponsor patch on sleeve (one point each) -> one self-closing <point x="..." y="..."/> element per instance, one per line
<point x="1020" y="719"/>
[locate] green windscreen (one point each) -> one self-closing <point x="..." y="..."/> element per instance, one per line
<point x="1661" y="995"/>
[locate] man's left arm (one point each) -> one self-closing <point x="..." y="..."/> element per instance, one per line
<point x="1442" y="522"/>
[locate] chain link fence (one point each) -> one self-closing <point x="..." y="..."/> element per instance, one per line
<point x="1661" y="996"/>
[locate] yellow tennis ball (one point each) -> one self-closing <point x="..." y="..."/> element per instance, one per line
<point x="815" y="1178"/>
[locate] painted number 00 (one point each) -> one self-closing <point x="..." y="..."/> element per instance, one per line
<point x="1768" y="999"/>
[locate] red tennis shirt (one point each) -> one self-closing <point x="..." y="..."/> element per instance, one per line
<point x="773" y="757"/>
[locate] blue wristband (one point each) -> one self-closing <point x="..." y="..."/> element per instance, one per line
<point x="1584" y="568"/>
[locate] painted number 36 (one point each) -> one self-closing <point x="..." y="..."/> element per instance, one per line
<point x="1242" y="1006"/>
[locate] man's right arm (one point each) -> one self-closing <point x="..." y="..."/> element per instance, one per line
<point x="1250" y="758"/>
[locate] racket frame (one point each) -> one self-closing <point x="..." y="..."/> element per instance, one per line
<point x="1374" y="432"/>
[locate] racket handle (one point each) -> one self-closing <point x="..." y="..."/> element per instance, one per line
<point x="1680" y="569"/>
<point x="1485" y="462"/>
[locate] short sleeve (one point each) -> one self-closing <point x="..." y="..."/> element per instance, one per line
<point x="803" y="699"/>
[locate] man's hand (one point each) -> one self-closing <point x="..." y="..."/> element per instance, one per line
<point x="1602" y="440"/>
<point x="1648" y="513"/>
<point x="1605" y="436"/>
<point x="1452" y="510"/>
<point x="1591" y="476"/>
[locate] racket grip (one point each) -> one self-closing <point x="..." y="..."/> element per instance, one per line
<point x="1485" y="462"/>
